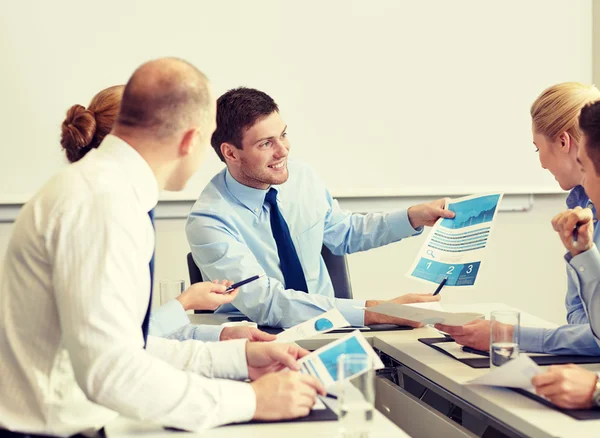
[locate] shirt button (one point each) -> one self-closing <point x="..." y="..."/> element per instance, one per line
<point x="256" y="210"/>
<point x="581" y="269"/>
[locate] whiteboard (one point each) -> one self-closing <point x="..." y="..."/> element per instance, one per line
<point x="382" y="97"/>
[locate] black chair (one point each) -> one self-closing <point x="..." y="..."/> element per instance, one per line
<point x="339" y="273"/>
<point x="336" y="265"/>
<point x="195" y="277"/>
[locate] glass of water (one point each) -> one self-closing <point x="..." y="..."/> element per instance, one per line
<point x="504" y="336"/>
<point x="170" y="289"/>
<point x="356" y="395"/>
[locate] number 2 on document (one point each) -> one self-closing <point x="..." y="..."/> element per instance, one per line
<point x="450" y="270"/>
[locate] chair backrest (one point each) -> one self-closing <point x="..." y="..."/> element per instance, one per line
<point x="195" y="277"/>
<point x="195" y="274"/>
<point x="339" y="273"/>
<point x="337" y="266"/>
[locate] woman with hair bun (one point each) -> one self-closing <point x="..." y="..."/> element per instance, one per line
<point x="84" y="129"/>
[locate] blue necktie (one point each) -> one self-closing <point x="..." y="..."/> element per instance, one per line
<point x="293" y="275"/>
<point x="146" y="322"/>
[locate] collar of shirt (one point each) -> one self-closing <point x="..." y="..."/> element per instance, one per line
<point x="577" y="197"/>
<point x="135" y="167"/>
<point x="253" y="199"/>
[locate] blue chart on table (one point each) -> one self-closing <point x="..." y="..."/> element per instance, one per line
<point x="329" y="356"/>
<point x="323" y="324"/>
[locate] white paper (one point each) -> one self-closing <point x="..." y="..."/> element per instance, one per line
<point x="332" y="319"/>
<point x="322" y="363"/>
<point x="455" y="248"/>
<point x="433" y="305"/>
<point x="424" y="315"/>
<point x="516" y="373"/>
<point x="319" y="405"/>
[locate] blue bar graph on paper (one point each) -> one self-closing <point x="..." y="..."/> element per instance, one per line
<point x="458" y="274"/>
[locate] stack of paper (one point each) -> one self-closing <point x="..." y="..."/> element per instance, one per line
<point x="424" y="314"/>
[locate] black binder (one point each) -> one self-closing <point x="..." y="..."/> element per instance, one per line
<point x="484" y="362"/>
<point x="326" y="414"/>
<point x="577" y="414"/>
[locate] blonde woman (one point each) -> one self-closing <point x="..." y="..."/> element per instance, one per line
<point x="556" y="136"/>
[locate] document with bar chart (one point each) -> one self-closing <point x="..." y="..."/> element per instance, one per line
<point x="455" y="248"/>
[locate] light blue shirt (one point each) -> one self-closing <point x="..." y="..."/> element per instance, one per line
<point x="170" y="321"/>
<point x="576" y="337"/>
<point x="229" y="232"/>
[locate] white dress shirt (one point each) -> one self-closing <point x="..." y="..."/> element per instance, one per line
<point x="73" y="295"/>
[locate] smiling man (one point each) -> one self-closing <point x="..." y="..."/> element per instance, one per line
<point x="265" y="214"/>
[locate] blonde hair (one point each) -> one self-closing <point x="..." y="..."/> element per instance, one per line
<point x="557" y="109"/>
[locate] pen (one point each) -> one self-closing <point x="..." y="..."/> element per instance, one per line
<point x="328" y="395"/>
<point x="439" y="288"/>
<point x="243" y="282"/>
<point x="576" y="230"/>
<point x="575" y="233"/>
<point x="475" y="351"/>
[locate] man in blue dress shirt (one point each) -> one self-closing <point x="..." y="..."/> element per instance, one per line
<point x="264" y="214"/>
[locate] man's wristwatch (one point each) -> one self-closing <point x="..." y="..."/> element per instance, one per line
<point x="596" y="393"/>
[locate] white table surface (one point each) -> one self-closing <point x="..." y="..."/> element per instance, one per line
<point x="519" y="412"/>
<point x="127" y="428"/>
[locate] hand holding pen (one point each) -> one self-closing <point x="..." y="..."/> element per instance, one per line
<point x="206" y="295"/>
<point x="576" y="229"/>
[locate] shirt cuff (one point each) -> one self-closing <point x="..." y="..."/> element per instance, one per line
<point x="348" y="308"/>
<point x="229" y="359"/>
<point x="532" y="339"/>
<point x="239" y="402"/>
<point x="168" y="318"/>
<point x="400" y="226"/>
<point x="208" y="333"/>
<point x="587" y="266"/>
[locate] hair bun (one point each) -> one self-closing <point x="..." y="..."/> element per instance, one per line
<point x="77" y="131"/>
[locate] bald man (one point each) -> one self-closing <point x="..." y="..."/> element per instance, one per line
<point x="76" y="288"/>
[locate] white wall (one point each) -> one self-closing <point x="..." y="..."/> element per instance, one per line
<point x="347" y="75"/>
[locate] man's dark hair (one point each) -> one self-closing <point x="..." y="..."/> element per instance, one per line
<point x="238" y="110"/>
<point x="589" y="124"/>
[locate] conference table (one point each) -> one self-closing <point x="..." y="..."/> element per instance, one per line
<point x="420" y="393"/>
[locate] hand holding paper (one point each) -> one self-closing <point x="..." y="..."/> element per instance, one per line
<point x="374" y="317"/>
<point x="568" y="386"/>
<point x="424" y="315"/>
<point x="455" y="248"/>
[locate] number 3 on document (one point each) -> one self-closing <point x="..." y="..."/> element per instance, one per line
<point x="451" y="270"/>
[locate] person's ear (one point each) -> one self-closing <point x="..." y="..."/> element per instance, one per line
<point x="565" y="142"/>
<point x="188" y="142"/>
<point x="230" y="152"/>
